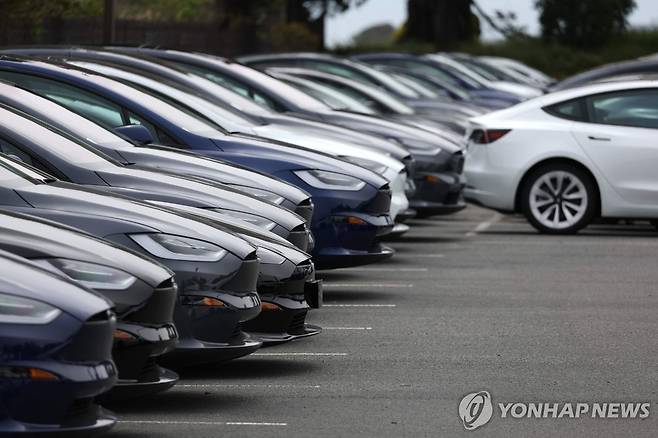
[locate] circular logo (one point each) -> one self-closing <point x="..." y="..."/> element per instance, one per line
<point x="475" y="409"/>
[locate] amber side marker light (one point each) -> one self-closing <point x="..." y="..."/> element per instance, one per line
<point x="26" y="373"/>
<point x="269" y="307"/>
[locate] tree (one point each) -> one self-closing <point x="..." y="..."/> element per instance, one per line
<point x="583" y="23"/>
<point x="444" y="23"/>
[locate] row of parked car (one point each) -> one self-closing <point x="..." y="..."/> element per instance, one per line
<point x="177" y="205"/>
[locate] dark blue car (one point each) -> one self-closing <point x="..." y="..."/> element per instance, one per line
<point x="55" y="352"/>
<point x="351" y="203"/>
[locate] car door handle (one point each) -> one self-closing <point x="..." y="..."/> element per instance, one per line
<point x="591" y="137"/>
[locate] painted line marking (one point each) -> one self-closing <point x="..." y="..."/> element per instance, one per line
<point x="347" y="328"/>
<point x="299" y="354"/>
<point x="204" y="423"/>
<point x="238" y="385"/>
<point x="421" y="256"/>
<point x="359" y="305"/>
<point x="383" y="270"/>
<point x="370" y="285"/>
<point x="482" y="226"/>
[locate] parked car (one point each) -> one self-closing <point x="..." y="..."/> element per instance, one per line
<point x="351" y="69"/>
<point x="352" y="203"/>
<point x="216" y="271"/>
<point x="437" y="161"/>
<point x="447" y="72"/>
<point x="186" y="100"/>
<point x="56" y="345"/>
<point x="240" y="116"/>
<point x="445" y="85"/>
<point x="569" y="157"/>
<point x="624" y="68"/>
<point x="143" y="293"/>
<point x="162" y="158"/>
<point x="380" y="103"/>
<point x="28" y="139"/>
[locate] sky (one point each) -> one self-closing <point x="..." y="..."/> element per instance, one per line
<point x="342" y="27"/>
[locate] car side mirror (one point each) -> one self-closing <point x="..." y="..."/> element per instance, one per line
<point x="137" y="133"/>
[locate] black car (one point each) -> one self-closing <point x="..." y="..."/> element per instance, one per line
<point x="143" y="292"/>
<point x="216" y="271"/>
<point x="55" y="352"/>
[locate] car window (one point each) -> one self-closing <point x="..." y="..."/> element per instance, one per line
<point x="94" y="107"/>
<point x="571" y="110"/>
<point x="14" y="152"/>
<point x="636" y="108"/>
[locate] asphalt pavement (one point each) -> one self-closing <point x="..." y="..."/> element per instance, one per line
<point x="473" y="301"/>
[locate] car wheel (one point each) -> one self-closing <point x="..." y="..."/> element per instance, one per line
<point x="559" y="199"/>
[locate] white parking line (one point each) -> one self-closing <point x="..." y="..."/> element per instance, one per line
<point x="482" y="226"/>
<point x="420" y="256"/>
<point x="359" y="305"/>
<point x="299" y="354"/>
<point x="238" y="385"/>
<point x="383" y="270"/>
<point x="204" y="423"/>
<point x="347" y="328"/>
<point x="369" y="285"/>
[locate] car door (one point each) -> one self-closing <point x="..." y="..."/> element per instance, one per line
<point x="620" y="136"/>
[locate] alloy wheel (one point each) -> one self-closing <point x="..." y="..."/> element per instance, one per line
<point x="558" y="199"/>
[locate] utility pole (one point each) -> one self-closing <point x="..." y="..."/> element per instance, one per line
<point x="109" y="22"/>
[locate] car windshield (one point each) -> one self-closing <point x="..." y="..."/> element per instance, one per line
<point x="332" y="98"/>
<point x="33" y="132"/>
<point x="368" y="95"/>
<point x="51" y="112"/>
<point x="182" y="100"/>
<point x="73" y="98"/>
<point x="388" y="81"/>
<point x="264" y="81"/>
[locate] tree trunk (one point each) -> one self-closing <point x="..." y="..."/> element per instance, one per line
<point x="445" y="23"/>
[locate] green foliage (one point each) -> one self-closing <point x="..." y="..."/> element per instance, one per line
<point x="583" y="23"/>
<point x="560" y="60"/>
<point x="294" y="36"/>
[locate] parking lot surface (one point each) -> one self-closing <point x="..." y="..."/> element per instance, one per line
<point x="474" y="301"/>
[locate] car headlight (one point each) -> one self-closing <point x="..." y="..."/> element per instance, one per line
<point x="259" y="221"/>
<point x="169" y="246"/>
<point x="262" y="194"/>
<point x="91" y="275"/>
<point x="322" y="179"/>
<point x="376" y="167"/>
<point x="269" y="257"/>
<point x="19" y="310"/>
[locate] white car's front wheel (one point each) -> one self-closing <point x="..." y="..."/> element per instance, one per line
<point x="559" y="198"/>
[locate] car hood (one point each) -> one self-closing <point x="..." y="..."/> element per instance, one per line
<point x="42" y="238"/>
<point x="328" y="145"/>
<point x="190" y="164"/>
<point x="411" y="137"/>
<point x="25" y="279"/>
<point x="104" y="215"/>
<point x="252" y="234"/>
<point x="292" y="157"/>
<point x="152" y="185"/>
<point x="303" y="132"/>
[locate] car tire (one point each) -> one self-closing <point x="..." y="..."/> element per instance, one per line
<point x="559" y="198"/>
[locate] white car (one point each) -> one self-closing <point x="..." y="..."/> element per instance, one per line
<point x="568" y="157"/>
